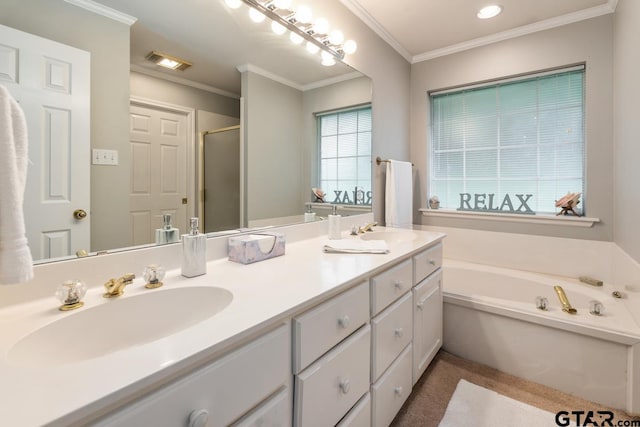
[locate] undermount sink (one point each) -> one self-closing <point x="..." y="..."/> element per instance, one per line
<point x="390" y="236"/>
<point x="118" y="324"/>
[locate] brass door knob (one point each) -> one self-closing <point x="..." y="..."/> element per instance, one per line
<point x="79" y="214"/>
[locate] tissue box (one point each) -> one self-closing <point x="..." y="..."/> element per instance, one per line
<point x="250" y="248"/>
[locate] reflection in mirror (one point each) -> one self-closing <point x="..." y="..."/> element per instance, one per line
<point x="147" y="130"/>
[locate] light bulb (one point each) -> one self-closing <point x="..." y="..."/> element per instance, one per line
<point x="350" y="47"/>
<point x="312" y="48"/>
<point x="255" y="15"/>
<point x="282" y="4"/>
<point x="278" y="28"/>
<point x="336" y="37"/>
<point x="295" y="38"/>
<point x="304" y="14"/>
<point x="321" y="26"/>
<point x="233" y="4"/>
<point x="328" y="62"/>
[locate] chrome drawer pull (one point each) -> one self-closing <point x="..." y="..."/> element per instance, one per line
<point x="398" y="390"/>
<point x="198" y="418"/>
<point x="345" y="385"/>
<point x="344" y="321"/>
<point x="398" y="332"/>
<point x="432" y="262"/>
<point x="397" y="284"/>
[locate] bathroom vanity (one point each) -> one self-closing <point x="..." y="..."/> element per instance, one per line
<point x="308" y="339"/>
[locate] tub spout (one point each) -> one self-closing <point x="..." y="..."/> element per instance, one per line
<point x="566" y="305"/>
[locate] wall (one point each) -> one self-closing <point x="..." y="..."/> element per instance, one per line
<point x="626" y="93"/>
<point x="271" y="189"/>
<point x="587" y="41"/>
<point x="339" y="95"/>
<point x="108" y="43"/>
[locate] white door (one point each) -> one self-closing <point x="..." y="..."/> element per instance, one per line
<point x="158" y="140"/>
<point x="51" y="82"/>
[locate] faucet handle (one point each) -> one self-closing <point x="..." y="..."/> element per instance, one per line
<point x="127" y="279"/>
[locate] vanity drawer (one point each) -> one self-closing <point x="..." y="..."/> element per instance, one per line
<point x="226" y="389"/>
<point x="326" y="390"/>
<point x="427" y="262"/>
<point x="359" y="415"/>
<point x="391" y="331"/>
<point x="389" y="286"/>
<point x="320" y="328"/>
<point x="390" y="392"/>
<point x="275" y="412"/>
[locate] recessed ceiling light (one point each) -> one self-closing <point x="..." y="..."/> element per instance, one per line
<point x="168" y="61"/>
<point x="489" y="11"/>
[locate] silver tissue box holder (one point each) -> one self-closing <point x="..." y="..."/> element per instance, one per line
<point x="250" y="248"/>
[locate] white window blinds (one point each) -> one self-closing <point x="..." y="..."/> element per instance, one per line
<point x="518" y="136"/>
<point x="345" y="155"/>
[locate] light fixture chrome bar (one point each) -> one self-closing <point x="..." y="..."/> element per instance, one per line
<point x="291" y="26"/>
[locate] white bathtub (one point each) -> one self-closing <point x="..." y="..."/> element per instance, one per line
<point x="490" y="317"/>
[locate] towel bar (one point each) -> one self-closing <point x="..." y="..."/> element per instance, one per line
<point x="379" y="160"/>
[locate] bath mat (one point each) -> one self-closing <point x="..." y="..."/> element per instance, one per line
<point x="472" y="405"/>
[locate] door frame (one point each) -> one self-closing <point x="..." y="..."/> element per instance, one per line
<point x="190" y="113"/>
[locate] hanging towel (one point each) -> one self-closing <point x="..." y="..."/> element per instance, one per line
<point x="398" y="194"/>
<point x="16" y="264"/>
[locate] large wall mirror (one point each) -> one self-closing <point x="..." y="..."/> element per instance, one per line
<point x="116" y="141"/>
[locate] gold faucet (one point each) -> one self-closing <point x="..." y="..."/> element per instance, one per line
<point x="566" y="305"/>
<point x="115" y="287"/>
<point x="368" y="227"/>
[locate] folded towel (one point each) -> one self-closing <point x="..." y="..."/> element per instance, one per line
<point x="16" y="264"/>
<point x="398" y="194"/>
<point x="356" y="246"/>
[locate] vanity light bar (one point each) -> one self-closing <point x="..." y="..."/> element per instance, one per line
<point x="289" y="22"/>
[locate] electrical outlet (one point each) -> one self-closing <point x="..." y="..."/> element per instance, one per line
<point x="104" y="157"/>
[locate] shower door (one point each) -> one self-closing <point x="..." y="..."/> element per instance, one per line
<point x="221" y="175"/>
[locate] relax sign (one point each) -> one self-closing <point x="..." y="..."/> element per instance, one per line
<point x="490" y="203"/>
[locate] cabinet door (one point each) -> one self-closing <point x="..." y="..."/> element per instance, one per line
<point x="218" y="393"/>
<point x="427" y="322"/>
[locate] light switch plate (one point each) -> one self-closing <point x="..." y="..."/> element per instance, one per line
<point x="104" y="157"/>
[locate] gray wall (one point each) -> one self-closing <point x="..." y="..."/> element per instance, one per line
<point x="108" y="43"/>
<point x="273" y="158"/>
<point x="587" y="41"/>
<point x="339" y="95"/>
<point x="626" y="93"/>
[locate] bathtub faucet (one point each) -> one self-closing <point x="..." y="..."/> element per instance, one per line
<point x="566" y="305"/>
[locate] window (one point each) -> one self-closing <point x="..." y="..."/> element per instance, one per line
<point x="518" y="136"/>
<point x="345" y="155"/>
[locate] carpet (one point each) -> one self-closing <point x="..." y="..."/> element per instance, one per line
<point x="476" y="406"/>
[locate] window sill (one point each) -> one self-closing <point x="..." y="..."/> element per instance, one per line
<point x="575" y="221"/>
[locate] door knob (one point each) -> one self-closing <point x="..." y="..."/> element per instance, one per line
<point x="79" y="214"/>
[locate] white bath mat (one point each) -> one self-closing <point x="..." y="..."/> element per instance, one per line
<point x="472" y="405"/>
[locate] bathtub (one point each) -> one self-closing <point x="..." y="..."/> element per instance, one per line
<point x="490" y="317"/>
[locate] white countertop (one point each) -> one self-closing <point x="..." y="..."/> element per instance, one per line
<point x="264" y="294"/>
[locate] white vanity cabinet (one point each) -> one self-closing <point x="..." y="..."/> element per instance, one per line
<point x="250" y="385"/>
<point x="427" y="309"/>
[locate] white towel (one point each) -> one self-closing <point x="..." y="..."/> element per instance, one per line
<point x="398" y="194"/>
<point x="356" y="246"/>
<point x="16" y="264"/>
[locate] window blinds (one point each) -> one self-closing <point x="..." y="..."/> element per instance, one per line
<point x="523" y="136"/>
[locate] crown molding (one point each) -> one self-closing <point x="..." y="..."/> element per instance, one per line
<point x="268" y="74"/>
<point x="100" y="9"/>
<point x="366" y="17"/>
<point x="183" y="81"/>
<point x="547" y="24"/>
<point x="332" y="80"/>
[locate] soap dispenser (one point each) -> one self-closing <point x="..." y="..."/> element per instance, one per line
<point x="334" y="224"/>
<point x="194" y="251"/>
<point x="168" y="233"/>
<point x="309" y="215"/>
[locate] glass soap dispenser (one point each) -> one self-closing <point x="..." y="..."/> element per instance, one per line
<point x="194" y="251"/>
<point x="168" y="233"/>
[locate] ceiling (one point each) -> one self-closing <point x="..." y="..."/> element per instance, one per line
<point x="425" y="29"/>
